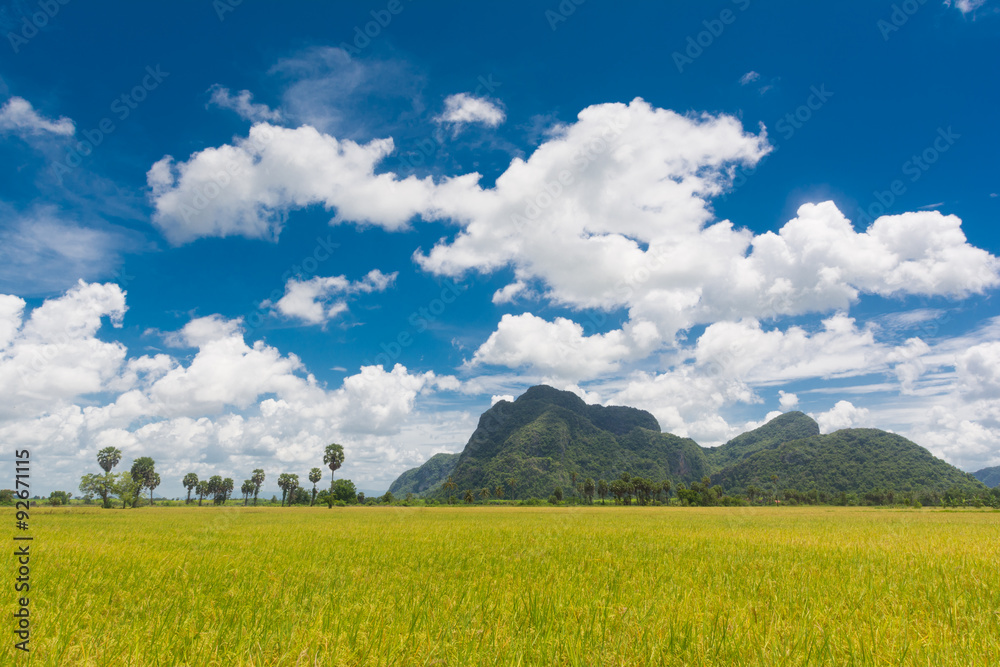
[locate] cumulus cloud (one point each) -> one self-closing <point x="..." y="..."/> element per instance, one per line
<point x="787" y="400"/>
<point x="842" y="415"/>
<point x="561" y="348"/>
<point x="242" y="103"/>
<point x="315" y="301"/>
<point x="18" y="116"/>
<point x="463" y="109"/>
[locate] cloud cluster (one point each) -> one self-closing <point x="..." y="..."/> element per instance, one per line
<point x="464" y="109"/>
<point x="320" y="299"/>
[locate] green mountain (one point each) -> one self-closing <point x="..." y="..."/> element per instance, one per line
<point x="546" y="435"/>
<point x="536" y="443"/>
<point x="426" y="477"/>
<point x="988" y="476"/>
<point x="857" y="459"/>
<point x="789" y="426"/>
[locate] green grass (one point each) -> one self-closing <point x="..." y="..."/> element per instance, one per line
<point x="508" y="586"/>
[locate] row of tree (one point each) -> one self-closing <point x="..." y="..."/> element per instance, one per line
<point x="128" y="486"/>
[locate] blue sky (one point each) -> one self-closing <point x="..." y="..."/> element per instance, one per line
<point x="233" y="233"/>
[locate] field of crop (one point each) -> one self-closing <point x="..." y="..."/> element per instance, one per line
<point x="508" y="586"/>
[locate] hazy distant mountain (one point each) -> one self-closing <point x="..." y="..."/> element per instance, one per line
<point x="542" y="438"/>
<point x="988" y="476"/>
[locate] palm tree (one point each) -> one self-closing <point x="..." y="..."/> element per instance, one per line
<point x="484" y="493"/>
<point x="314" y="476"/>
<point x="498" y="492"/>
<point x="588" y="490"/>
<point x="283" y="484"/>
<point x="333" y="457"/>
<point x="227" y="488"/>
<point x="202" y="490"/>
<point x="602" y="490"/>
<point x="512" y="482"/>
<point x="469" y="498"/>
<point x="152" y="485"/>
<point x="257" y="478"/>
<point x="108" y="458"/>
<point x="293" y="484"/>
<point x="143" y="470"/>
<point x="190" y="481"/>
<point x="215" y="487"/>
<point x="246" y="490"/>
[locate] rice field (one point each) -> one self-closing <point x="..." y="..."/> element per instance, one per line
<point x="511" y="586"/>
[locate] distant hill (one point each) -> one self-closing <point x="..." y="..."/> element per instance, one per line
<point x="858" y="459"/>
<point x="426" y="477"/>
<point x="988" y="476"/>
<point x="789" y="426"/>
<point x="545" y="436"/>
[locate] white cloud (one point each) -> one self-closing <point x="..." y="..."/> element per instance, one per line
<point x="463" y="109"/>
<point x="18" y="116"/>
<point x="749" y="78"/>
<point x="842" y="415"/>
<point x="242" y="103"/>
<point x="496" y="398"/>
<point x="787" y="400"/>
<point x="312" y="301"/>
<point x="561" y="348"/>
<point x="247" y="189"/>
<point x="965" y="6"/>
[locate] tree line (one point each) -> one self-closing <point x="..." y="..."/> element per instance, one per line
<point x="128" y="486"/>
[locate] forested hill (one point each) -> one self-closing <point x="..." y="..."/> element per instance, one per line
<point x="989" y="476"/>
<point x="426" y="477"/>
<point x="549" y="439"/>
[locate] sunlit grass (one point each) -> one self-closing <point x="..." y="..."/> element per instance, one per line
<point x="507" y="586"/>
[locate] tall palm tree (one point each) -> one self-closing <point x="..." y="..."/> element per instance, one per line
<point x="314" y="476"/>
<point x="190" y="481"/>
<point x="333" y="457"/>
<point x="283" y="484"/>
<point x="484" y="493"/>
<point x="258" y="479"/>
<point x="246" y="490"/>
<point x="227" y="488"/>
<point x="155" y="482"/>
<point x="108" y="458"/>
<point x="202" y="490"/>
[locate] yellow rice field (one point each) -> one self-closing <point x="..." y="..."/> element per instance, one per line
<point x="510" y="586"/>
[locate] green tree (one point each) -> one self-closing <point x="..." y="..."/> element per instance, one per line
<point x="100" y="485"/>
<point x="498" y="492"/>
<point x="153" y="483"/>
<point x="314" y="476"/>
<point x="602" y="490"/>
<point x="227" y="489"/>
<point x="558" y="494"/>
<point x="57" y="498"/>
<point x="469" y="498"/>
<point x="258" y="479"/>
<point x="215" y="487"/>
<point x="246" y="490"/>
<point x="201" y="490"/>
<point x="284" y="483"/>
<point x="190" y="482"/>
<point x="108" y="458"/>
<point x="343" y="489"/>
<point x="588" y="490"/>
<point x="333" y="457"/>
<point x="143" y="473"/>
<point x="484" y="493"/>
<point x="127" y="488"/>
<point x="293" y="484"/>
